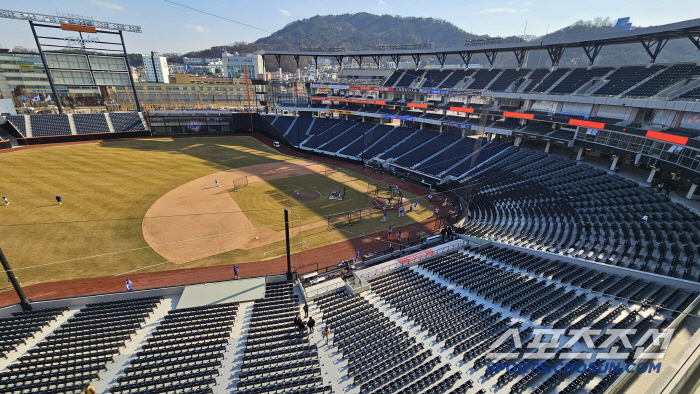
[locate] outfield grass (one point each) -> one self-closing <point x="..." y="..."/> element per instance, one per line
<point x="106" y="189"/>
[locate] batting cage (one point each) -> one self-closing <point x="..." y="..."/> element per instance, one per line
<point x="348" y="218"/>
<point x="329" y="170"/>
<point x="373" y="189"/>
<point x="240" y="183"/>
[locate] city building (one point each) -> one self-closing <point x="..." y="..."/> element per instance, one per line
<point x="156" y="68"/>
<point x="233" y="65"/>
<point x="198" y="61"/>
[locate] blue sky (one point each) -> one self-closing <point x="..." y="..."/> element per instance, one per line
<point x="170" y="28"/>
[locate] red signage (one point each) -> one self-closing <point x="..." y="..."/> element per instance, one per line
<point x="667" y="137"/>
<point x="416" y="105"/>
<point x="84" y="29"/>
<point x="460" y="109"/>
<point x="585" y="123"/>
<point x="416" y="256"/>
<point x="518" y="115"/>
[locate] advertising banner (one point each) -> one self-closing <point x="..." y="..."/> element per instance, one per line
<point x="465" y="93"/>
<point x="456" y="125"/>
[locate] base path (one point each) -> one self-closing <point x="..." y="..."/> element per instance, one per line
<point x="198" y="219"/>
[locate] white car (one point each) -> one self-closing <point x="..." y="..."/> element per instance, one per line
<point x="276" y="144"/>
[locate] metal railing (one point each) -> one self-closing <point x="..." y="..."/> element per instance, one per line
<point x="315" y="292"/>
<point x="380" y="270"/>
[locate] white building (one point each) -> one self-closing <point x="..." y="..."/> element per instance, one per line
<point x="199" y="61"/>
<point x="156" y="68"/>
<point x="233" y="65"/>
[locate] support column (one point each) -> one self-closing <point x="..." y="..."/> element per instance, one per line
<point x="546" y="148"/>
<point x="280" y="74"/>
<point x="15" y="283"/>
<point x="614" y="163"/>
<point x="689" y="196"/>
<point x="421" y="125"/>
<point x="651" y="175"/>
<point x="299" y="75"/>
<point x="286" y="233"/>
<point x="441" y="128"/>
<point x="580" y="154"/>
<point x="518" y="141"/>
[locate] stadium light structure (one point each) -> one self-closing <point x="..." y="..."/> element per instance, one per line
<point x="69" y="56"/>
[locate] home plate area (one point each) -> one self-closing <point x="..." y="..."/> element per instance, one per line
<point x="307" y="195"/>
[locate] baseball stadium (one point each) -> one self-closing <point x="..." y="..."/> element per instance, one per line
<point x="441" y="229"/>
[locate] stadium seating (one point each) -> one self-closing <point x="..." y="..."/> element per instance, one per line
<point x="455" y="78"/>
<point x="537" y="201"/>
<point x="427" y="150"/>
<point x="49" y="125"/>
<point x="547" y="81"/>
<point x="277" y="358"/>
<point x="625" y="77"/>
<point x="485" y="153"/>
<point x="579" y="77"/>
<point x="507" y="78"/>
<point x="183" y="353"/>
<point x="23" y="325"/>
<point x="18" y="122"/>
<point x="409" y="144"/>
<point x="325" y="132"/>
<point x="283" y="122"/>
<point x="535" y="78"/>
<point x="74" y="353"/>
<point x="409" y="77"/>
<point x="126" y="121"/>
<point x="393" y="78"/>
<point x="90" y="123"/>
<point x="299" y="129"/>
<point x="433" y="78"/>
<point x="663" y="80"/>
<point x="394" y="137"/>
<point x="348" y="136"/>
<point x="482" y="78"/>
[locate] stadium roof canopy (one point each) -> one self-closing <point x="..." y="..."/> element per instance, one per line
<point x="653" y="39"/>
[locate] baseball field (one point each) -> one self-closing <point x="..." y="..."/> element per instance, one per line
<point x="153" y="205"/>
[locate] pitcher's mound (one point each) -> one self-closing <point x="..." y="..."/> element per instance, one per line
<point x="307" y="195"/>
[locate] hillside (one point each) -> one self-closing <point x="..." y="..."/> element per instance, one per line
<point x="363" y="31"/>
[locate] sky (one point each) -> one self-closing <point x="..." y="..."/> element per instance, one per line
<point x="168" y="27"/>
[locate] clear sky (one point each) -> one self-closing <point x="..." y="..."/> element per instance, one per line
<point x="171" y="28"/>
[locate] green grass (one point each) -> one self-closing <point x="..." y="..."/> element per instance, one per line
<point x="262" y="197"/>
<point x="107" y="188"/>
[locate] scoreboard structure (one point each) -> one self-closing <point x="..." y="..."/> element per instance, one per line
<point x="78" y="51"/>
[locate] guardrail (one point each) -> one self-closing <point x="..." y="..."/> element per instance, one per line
<point x="315" y="292"/>
<point x="380" y="270"/>
<point x="446" y="248"/>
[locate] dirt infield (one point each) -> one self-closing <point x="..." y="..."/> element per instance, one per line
<point x="208" y="219"/>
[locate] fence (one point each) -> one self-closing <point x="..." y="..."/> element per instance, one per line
<point x="316" y="291"/>
<point x="348" y="218"/>
<point x="240" y="183"/>
<point x="448" y="247"/>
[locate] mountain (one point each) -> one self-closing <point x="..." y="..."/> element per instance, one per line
<point x="363" y="31"/>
